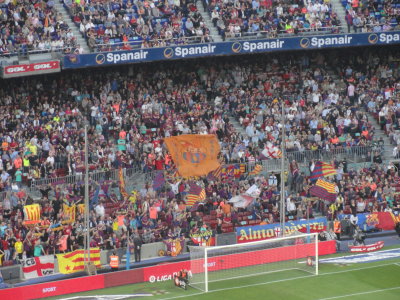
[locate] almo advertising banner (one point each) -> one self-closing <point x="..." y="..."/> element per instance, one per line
<point x="263" y="232"/>
<point x="231" y="48"/>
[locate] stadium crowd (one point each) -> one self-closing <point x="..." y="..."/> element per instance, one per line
<point x="36" y="26"/>
<point x="129" y="111"/>
<point x="371" y="16"/>
<point x="122" y="25"/>
<point x="32" y="26"/>
<point x="270" y="18"/>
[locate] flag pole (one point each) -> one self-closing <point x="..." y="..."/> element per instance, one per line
<point x="128" y="253"/>
<point x="86" y="219"/>
<point x="282" y="204"/>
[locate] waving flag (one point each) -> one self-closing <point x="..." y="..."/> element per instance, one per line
<point x="194" y="154"/>
<point x="241" y="201"/>
<point x="322" y="169"/>
<point x="271" y="151"/>
<point x="196" y="193"/>
<point x="257" y="169"/>
<point x="32" y="214"/>
<point x="215" y="175"/>
<point x="38" y="266"/>
<point x="158" y="181"/>
<point x="81" y="208"/>
<point x="74" y="261"/>
<point x="69" y="212"/>
<point x="324" y="190"/>
<point x="122" y="188"/>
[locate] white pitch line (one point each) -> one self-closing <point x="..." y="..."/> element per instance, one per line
<point x="275" y="281"/>
<point x="362" y="293"/>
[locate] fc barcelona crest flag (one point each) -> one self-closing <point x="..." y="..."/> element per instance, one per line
<point x="194" y="154"/>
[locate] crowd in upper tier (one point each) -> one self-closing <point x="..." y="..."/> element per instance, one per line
<point x="270" y="18"/>
<point x="113" y="25"/>
<point x="372" y="16"/>
<point x="34" y="26"/>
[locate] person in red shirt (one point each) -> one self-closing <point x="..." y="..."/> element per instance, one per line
<point x="159" y="162"/>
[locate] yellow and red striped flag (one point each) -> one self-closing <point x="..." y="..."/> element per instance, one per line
<point x="257" y="169"/>
<point x="195" y="194"/>
<point x="74" y="261"/>
<point x="69" y="212"/>
<point x="32" y="214"/>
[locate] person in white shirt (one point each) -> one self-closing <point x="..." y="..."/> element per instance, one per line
<point x="99" y="209"/>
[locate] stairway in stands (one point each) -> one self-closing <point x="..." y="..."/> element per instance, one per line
<point x="339" y="9"/>
<point x="209" y="24"/>
<point x="75" y="29"/>
<point x="387" y="146"/>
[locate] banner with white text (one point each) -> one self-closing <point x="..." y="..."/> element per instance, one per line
<point x="268" y="231"/>
<point x="230" y="48"/>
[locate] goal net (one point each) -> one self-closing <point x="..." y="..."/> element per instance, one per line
<point x="269" y="260"/>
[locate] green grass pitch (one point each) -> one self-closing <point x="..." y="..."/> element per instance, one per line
<point x="376" y="280"/>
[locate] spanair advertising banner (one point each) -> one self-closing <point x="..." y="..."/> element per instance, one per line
<point x="268" y="231"/>
<point x="230" y="48"/>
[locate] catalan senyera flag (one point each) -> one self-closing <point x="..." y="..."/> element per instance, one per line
<point x="322" y="169"/>
<point x="74" y="261"/>
<point x="194" y="154"/>
<point x="195" y="194"/>
<point x="257" y="169"/>
<point x="32" y="214"/>
<point x="324" y="190"/>
<point x="69" y="212"/>
<point x="81" y="208"/>
<point x="122" y="188"/>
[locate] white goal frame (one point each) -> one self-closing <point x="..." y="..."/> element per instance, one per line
<point x="208" y="249"/>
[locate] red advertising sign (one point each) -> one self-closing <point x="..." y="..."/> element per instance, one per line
<point x="54" y="288"/>
<point x="162" y="272"/>
<point x="166" y="272"/>
<point x="367" y="248"/>
<point x="31" y="69"/>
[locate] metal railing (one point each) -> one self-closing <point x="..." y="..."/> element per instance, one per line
<point x="238" y="37"/>
<point x="97" y="176"/>
<point x="352" y="154"/>
<point x="137" y="175"/>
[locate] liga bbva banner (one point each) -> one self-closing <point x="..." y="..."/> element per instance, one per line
<point x="38" y="266"/>
<point x="376" y="220"/>
<point x="194" y="154"/>
<point x="263" y="232"/>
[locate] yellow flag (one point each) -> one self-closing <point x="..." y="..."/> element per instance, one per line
<point x="69" y="212"/>
<point x="74" y="261"/>
<point x="81" y="208"/>
<point x="32" y="213"/>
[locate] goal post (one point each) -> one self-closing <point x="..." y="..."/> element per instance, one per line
<point x="295" y="256"/>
